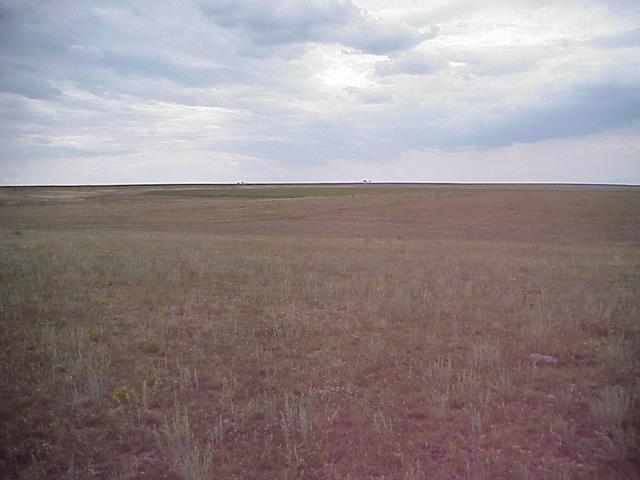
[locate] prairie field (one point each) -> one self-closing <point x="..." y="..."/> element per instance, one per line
<point x="334" y="332"/>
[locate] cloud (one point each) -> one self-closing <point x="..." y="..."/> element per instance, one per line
<point x="40" y="150"/>
<point x="600" y="158"/>
<point x="220" y="90"/>
<point x="26" y="81"/>
<point x="585" y="110"/>
<point x="411" y="63"/>
<point x="87" y="52"/>
<point x="369" y="96"/>
<point x="498" y="60"/>
<point x="624" y="39"/>
<point x="147" y="65"/>
<point x="271" y="22"/>
<point x="439" y="12"/>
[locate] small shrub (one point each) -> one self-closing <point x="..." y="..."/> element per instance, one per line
<point x="503" y="381"/>
<point x="375" y="348"/>
<point x="441" y="371"/>
<point x="296" y="417"/>
<point x="150" y="346"/>
<point x="122" y="395"/>
<point x="89" y="372"/>
<point x="485" y="355"/>
<point x="440" y="398"/>
<point x="95" y="334"/>
<point x="191" y="459"/>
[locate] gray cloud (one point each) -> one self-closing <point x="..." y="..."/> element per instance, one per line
<point x="387" y="132"/>
<point x="625" y="39"/>
<point x="299" y="22"/>
<point x="500" y="60"/>
<point x="26" y="81"/>
<point x="411" y="63"/>
<point x="149" y="66"/>
<point x="43" y="150"/>
<point x="585" y="110"/>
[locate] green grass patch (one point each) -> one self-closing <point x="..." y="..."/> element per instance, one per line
<point x="282" y="192"/>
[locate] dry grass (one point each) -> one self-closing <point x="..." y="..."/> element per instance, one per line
<point x="133" y="349"/>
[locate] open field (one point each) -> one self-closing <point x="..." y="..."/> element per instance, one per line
<point x="275" y="191"/>
<point x="154" y="333"/>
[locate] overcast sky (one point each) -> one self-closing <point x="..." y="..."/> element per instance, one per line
<point x="319" y="90"/>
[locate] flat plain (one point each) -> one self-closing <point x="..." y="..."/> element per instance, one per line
<point x="320" y="332"/>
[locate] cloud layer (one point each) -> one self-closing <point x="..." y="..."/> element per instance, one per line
<point x="291" y="90"/>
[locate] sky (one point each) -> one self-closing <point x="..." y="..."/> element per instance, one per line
<point x="95" y="92"/>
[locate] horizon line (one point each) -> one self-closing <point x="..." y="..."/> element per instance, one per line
<point x="350" y="182"/>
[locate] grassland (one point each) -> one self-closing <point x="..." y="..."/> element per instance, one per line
<point x="449" y="333"/>
<point x="245" y="191"/>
